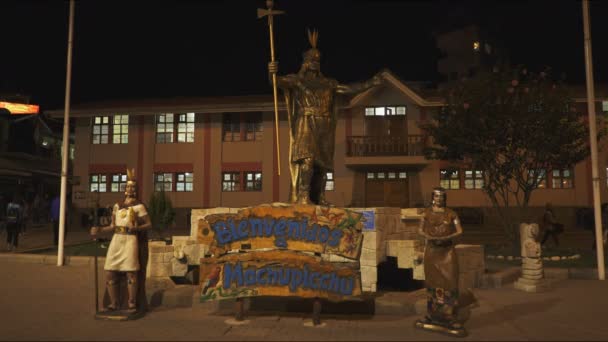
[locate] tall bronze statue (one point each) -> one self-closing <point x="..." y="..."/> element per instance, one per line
<point x="128" y="250"/>
<point x="444" y="301"/>
<point x="312" y="115"/>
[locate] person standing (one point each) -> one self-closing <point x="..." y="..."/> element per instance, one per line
<point x="14" y="217"/>
<point x="54" y="213"/>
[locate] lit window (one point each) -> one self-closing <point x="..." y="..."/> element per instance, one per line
<point x="385" y="111"/>
<point x="185" y="127"/>
<point x="562" y="179"/>
<point x="473" y="179"/>
<point x="449" y="179"/>
<point x="380" y="175"/>
<point x="605" y="106"/>
<point x="98" y="183"/>
<point x="101" y="129"/>
<point x="392" y="175"/>
<point x="541" y="178"/>
<point x="253" y="181"/>
<point x="476" y="46"/>
<point x="120" y="129"/>
<point x="402" y="175"/>
<point x="164" y="128"/>
<point x="231" y="181"/>
<point x="119" y="182"/>
<point x="329" y="181"/>
<point x="184" y="181"/>
<point x="370" y="175"/>
<point x="163" y="182"/>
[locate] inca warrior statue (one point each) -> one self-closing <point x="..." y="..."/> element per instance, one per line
<point x="446" y="305"/>
<point x="128" y="250"/>
<point x="312" y="113"/>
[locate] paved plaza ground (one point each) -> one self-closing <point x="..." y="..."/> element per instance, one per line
<point x="45" y="302"/>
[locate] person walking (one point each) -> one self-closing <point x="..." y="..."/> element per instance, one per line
<point x="54" y="212"/>
<point x="14" y="216"/>
<point x="550" y="226"/>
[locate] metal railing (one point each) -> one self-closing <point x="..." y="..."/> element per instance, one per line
<point x="361" y="146"/>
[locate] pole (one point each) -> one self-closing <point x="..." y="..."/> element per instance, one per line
<point x="271" y="13"/>
<point x="66" y="140"/>
<point x="593" y="141"/>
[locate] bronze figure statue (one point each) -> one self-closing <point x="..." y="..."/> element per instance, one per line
<point x="312" y="114"/>
<point x="444" y="299"/>
<point x="128" y="250"/>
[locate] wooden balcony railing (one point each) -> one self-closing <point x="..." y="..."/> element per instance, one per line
<point x="362" y="146"/>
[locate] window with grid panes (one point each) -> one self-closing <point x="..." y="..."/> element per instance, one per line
<point x="98" y="182"/>
<point x="120" y="129"/>
<point x="449" y="179"/>
<point x="329" y="181"/>
<point x="185" y="127"/>
<point x="231" y="181"/>
<point x="101" y="129"/>
<point x="163" y="182"/>
<point x="164" y="128"/>
<point x="473" y="179"/>
<point x="232" y="127"/>
<point x="253" y="181"/>
<point x="562" y="179"/>
<point x="254" y="129"/>
<point x="184" y="181"/>
<point x="541" y="178"/>
<point x="118" y="182"/>
<point x="385" y="111"/>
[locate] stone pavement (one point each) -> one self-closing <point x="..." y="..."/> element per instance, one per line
<point x="46" y="302"/>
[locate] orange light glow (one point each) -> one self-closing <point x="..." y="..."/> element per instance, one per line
<point x="20" y="108"/>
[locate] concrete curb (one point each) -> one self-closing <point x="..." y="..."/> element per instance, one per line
<point x="50" y="259"/>
<point x="500" y="278"/>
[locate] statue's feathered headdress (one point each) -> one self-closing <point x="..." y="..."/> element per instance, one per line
<point x="313" y="53"/>
<point x="131" y="176"/>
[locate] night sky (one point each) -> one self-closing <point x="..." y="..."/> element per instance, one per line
<point x="137" y="49"/>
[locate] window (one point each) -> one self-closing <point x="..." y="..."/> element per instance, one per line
<point x="119" y="182"/>
<point x="329" y="181"/>
<point x="163" y="182"/>
<point x="164" y="128"/>
<point x="449" y="179"/>
<point x="385" y="111"/>
<point x="101" y="129"/>
<point x="473" y="179"/>
<point x="254" y="127"/>
<point x="605" y="106"/>
<point x="253" y="181"/>
<point x="231" y="181"/>
<point x="120" y="129"/>
<point x="541" y="175"/>
<point x="185" y="127"/>
<point x="184" y="181"/>
<point x="562" y="179"/>
<point x="243" y="127"/>
<point x="98" y="183"/>
<point x="387" y="175"/>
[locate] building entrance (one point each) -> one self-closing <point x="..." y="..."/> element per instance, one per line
<point x="386" y="189"/>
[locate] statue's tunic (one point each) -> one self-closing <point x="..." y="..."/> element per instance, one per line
<point x="441" y="265"/>
<point x="315" y="121"/>
<point x="123" y="250"/>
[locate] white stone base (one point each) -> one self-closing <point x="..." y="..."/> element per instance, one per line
<point x="531" y="285"/>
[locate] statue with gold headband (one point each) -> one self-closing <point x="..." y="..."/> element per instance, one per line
<point x="312" y="114"/>
<point x="447" y="305"/>
<point x="128" y="251"/>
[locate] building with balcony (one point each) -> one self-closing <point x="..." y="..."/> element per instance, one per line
<point x="221" y="152"/>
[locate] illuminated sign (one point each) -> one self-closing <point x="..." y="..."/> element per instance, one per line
<point x="19" y="108"/>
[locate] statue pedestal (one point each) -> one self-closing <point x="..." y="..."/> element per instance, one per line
<point x="532" y="279"/>
<point x="531" y="285"/>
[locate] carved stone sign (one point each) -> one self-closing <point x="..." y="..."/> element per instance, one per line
<point x="277" y="273"/>
<point x="296" y="227"/>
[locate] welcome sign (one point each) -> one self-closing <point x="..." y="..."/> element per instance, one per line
<point x="277" y="273"/>
<point x="306" y="228"/>
<point x="279" y="252"/>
